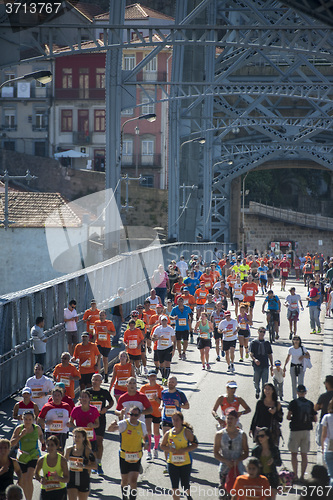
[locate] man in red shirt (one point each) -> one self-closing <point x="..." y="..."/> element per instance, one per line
<point x="133" y="398"/>
<point x="54" y="417"/>
<point x="90" y="316"/>
<point x="104" y="328"/>
<point x="133" y="339"/>
<point x="285" y="267"/>
<point x="250" y="290"/>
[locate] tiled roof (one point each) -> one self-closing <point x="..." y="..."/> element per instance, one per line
<point x="29" y="209"/>
<point x="138" y="11"/>
<point x="85" y="45"/>
<point x="89" y="10"/>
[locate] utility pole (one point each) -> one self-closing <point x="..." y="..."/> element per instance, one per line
<point x="6" y="177"/>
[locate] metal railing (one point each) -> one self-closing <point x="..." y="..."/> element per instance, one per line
<point x="19" y="310"/>
<point x="291" y="216"/>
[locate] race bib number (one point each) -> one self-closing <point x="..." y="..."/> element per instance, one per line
<point x="90" y="432"/>
<point x="91" y="327"/>
<point x="150" y="395"/>
<point x="132" y="457"/>
<point x="164" y="343"/>
<point x="76" y="464"/>
<point x="207" y="285"/>
<point x="178" y="459"/>
<point x="153" y="306"/>
<point x="52" y="485"/>
<point x="229" y="333"/>
<point x="202" y="294"/>
<point x="56" y="426"/>
<point x="185" y="301"/>
<point x="122" y="381"/>
<point x="37" y="392"/>
<point x="97" y="404"/>
<point x="133" y="344"/>
<point x="102" y="336"/>
<point x="170" y="410"/>
<point x="250" y="293"/>
<point x="293" y="306"/>
<point x="204" y="335"/>
<point x="87" y="363"/>
<point x="182" y="322"/>
<point x="65" y="381"/>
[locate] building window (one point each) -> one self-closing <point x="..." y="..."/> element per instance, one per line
<point x="10" y="119"/>
<point x="99" y="160"/>
<point x="127" y="157"/>
<point x="129" y="62"/>
<point x="40" y="148"/>
<point x="147" y="181"/>
<point x="126" y="112"/>
<point x="148" y="106"/>
<point x="100" y="78"/>
<point x="40" y="120"/>
<point x="67" y="78"/>
<point x="147" y="152"/>
<point x="9" y="145"/>
<point x="151" y="66"/>
<point x="66" y="120"/>
<point x="99" y="120"/>
<point x="83" y="83"/>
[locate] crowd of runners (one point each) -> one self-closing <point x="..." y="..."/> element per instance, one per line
<point x="207" y="303"/>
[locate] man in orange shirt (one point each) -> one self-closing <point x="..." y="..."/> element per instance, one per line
<point x="177" y="287"/>
<point x="200" y="298"/>
<point x="66" y="373"/>
<point x="189" y="300"/>
<point x="133" y="339"/>
<point x="86" y="353"/>
<point x="208" y="279"/>
<point x="104" y="328"/>
<point x="153" y="391"/>
<point x="250" y="290"/>
<point x="90" y="317"/>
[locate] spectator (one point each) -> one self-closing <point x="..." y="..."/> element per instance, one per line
<point x="261" y="354"/>
<point x="182" y="266"/>
<point x="317" y="486"/>
<point x="278" y="376"/>
<point x="301" y="414"/>
<point x="296" y="353"/>
<point x="313" y="299"/>
<point x="71" y="319"/>
<point x="268" y="455"/>
<point x="327" y="439"/>
<point x="268" y="414"/>
<point x="252" y="481"/>
<point x="39" y="340"/>
<point x="322" y="404"/>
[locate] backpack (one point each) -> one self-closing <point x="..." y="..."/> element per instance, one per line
<point x="304" y="414"/>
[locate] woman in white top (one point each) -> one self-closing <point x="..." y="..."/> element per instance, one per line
<point x="292" y="302"/>
<point x="327" y="439"/>
<point x="238" y="296"/>
<point x="296" y="353"/>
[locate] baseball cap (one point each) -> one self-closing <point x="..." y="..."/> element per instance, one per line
<point x="152" y="372"/>
<point x="93" y="301"/>
<point x="84" y="334"/>
<point x="26" y="390"/>
<point x="60" y="384"/>
<point x="301" y="388"/>
<point x="231" y="411"/>
<point x="277" y="362"/>
<point x="231" y="383"/>
<point x="227" y="313"/>
<point x="159" y="305"/>
<point x="139" y="306"/>
<point x="134" y="313"/>
<point x="185" y="289"/>
<point x="164" y="317"/>
<point x="131" y="321"/>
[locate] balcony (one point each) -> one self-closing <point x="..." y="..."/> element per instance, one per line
<point x="38" y="93"/>
<point x="81" y="138"/>
<point x="38" y="128"/>
<point x="151" y="76"/>
<point x="13" y="128"/>
<point x="131" y="161"/>
<point x="98" y="94"/>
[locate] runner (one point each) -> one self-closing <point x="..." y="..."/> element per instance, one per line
<point x="292" y="303"/>
<point x="8" y="466"/>
<point x="183" y="316"/>
<point x="121" y="372"/>
<point x="86" y="415"/>
<point x="154" y="299"/>
<point x="208" y="279"/>
<point x="80" y="462"/>
<point x="141" y="325"/>
<point x="153" y="391"/>
<point x="133" y="339"/>
<point x="274" y="308"/>
<point x="26" y="436"/>
<point x="231" y="280"/>
<point x="200" y="296"/>
<point x="250" y="290"/>
<point x="285" y="268"/>
<point x="166" y="345"/>
<point x="55" y="472"/>
<point x="244" y="323"/>
<point x="66" y="373"/>
<point x="238" y="296"/>
<point x="204" y="329"/>
<point x="172" y="400"/>
<point x="40" y="385"/>
<point x="216" y="317"/>
<point x="54" y="417"/>
<point x="131" y="398"/>
<point x="178" y="442"/>
<point x="133" y="433"/>
<point x="229" y="328"/>
<point x="102" y="400"/>
<point x="70" y="320"/>
<point x="104" y="329"/>
<point x="24" y="405"/>
<point x="270" y="273"/>
<point x="263" y="270"/>
<point x="89" y="359"/>
<point x="229" y="400"/>
<point x="90" y="316"/>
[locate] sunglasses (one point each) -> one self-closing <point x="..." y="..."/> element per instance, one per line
<point x="134" y="414"/>
<point x="261" y="435"/>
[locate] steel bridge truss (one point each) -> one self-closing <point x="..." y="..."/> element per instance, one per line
<point x="253" y="77"/>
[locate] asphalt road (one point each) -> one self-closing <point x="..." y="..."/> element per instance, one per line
<point x="202" y="388"/>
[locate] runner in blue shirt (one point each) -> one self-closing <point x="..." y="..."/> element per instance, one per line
<point x="183" y="316"/>
<point x="274" y="308"/>
<point x="191" y="282"/>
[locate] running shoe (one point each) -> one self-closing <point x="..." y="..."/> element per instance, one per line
<point x="191" y="338"/>
<point x="277" y="336"/>
<point x="184" y="356"/>
<point x="218" y="358"/>
<point x="155" y="453"/>
<point x="319" y="330"/>
<point x="247" y="355"/>
<point x="232" y="367"/>
<point x="222" y="354"/>
<point x="106" y="379"/>
<point x="149" y="455"/>
<point x="290" y="335"/>
<point x="165" y="471"/>
<point x="313" y="331"/>
<point x="208" y="366"/>
<point x="241" y="360"/>
<point x="257" y="395"/>
<point x="229" y="368"/>
<point x="99" y="469"/>
<point x="203" y="367"/>
<point x="163" y="380"/>
<point x="180" y="356"/>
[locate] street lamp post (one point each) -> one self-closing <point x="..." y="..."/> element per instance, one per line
<point x="243" y="212"/>
<point x="42" y="76"/>
<point x="137" y="132"/>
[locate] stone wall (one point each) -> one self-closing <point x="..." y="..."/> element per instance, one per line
<point x="260" y="231"/>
